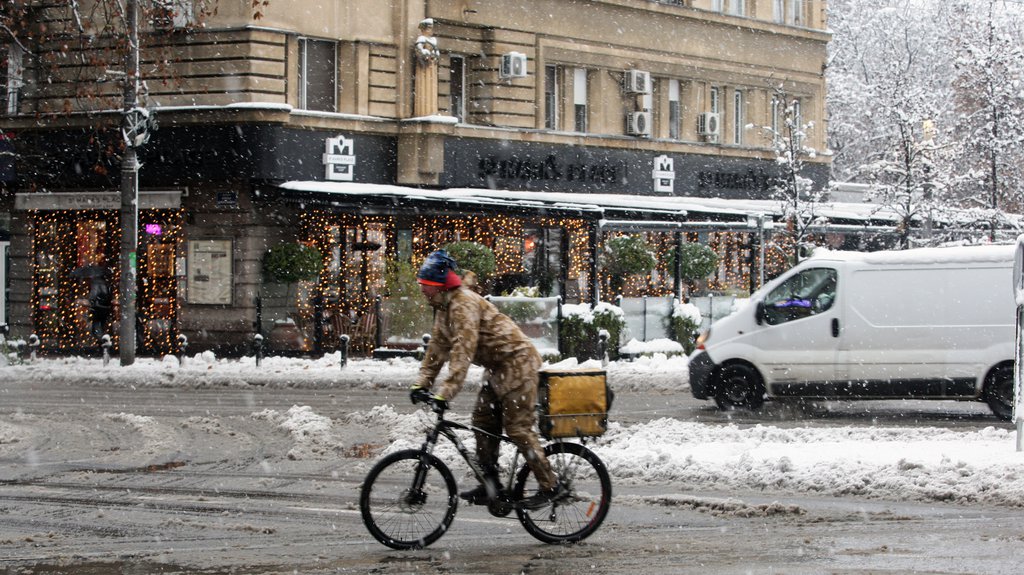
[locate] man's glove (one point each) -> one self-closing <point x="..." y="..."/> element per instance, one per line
<point x="438" y="403"/>
<point x="419" y="394"/>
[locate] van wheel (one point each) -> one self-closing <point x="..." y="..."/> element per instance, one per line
<point x="998" y="391"/>
<point x="739" y="385"/>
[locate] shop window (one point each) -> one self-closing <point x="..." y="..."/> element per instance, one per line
<point x="318" y="75"/>
<point x="159" y="238"/>
<point x="75" y="275"/>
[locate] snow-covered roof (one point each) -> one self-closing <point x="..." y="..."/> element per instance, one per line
<point x="597" y="205"/>
<point x="953" y="254"/>
<point x="840" y="216"/>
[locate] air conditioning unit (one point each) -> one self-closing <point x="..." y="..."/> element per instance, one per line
<point x="637" y="82"/>
<point x="709" y="124"/>
<point x="638" y="123"/>
<point x="513" y="65"/>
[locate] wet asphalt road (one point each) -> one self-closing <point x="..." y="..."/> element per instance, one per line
<point x="203" y="502"/>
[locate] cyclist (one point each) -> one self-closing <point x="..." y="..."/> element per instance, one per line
<point x="469" y="329"/>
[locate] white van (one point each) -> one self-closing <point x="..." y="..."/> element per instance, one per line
<point x="932" y="323"/>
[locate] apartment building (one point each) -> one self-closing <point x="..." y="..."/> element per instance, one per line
<point x="381" y="130"/>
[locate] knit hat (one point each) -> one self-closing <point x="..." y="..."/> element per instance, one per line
<point x="438" y="270"/>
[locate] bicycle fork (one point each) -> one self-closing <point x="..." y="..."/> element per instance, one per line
<point x="416" y="496"/>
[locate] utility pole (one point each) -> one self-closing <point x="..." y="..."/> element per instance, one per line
<point x="133" y="121"/>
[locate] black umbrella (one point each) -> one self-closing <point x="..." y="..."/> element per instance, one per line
<point x="89" y="272"/>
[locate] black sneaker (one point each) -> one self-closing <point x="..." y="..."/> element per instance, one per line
<point x="544" y="497"/>
<point x="476" y="496"/>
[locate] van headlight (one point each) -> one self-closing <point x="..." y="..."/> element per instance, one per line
<point x="703" y="337"/>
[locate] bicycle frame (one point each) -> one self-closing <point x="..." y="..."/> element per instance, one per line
<point x="448" y="429"/>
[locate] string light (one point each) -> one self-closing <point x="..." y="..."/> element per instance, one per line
<point x="355" y="249"/>
<point x="65" y="240"/>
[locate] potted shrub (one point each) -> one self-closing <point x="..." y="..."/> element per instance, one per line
<point x="625" y="256"/>
<point x="474" y="257"/>
<point x="289" y="263"/>
<point x="698" y="262"/>
<point x="684" y="322"/>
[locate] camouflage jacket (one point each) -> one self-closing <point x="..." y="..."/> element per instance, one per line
<point x="469" y="329"/>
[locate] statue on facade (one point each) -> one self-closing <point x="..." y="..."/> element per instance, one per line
<point x="426" y="56"/>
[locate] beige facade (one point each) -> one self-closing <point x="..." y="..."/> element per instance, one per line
<point x="699" y="56"/>
<point x="555" y="96"/>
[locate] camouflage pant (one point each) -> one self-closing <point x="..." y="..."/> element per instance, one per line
<point x="517" y="411"/>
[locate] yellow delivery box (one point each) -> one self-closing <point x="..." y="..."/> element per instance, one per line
<point x="573" y="403"/>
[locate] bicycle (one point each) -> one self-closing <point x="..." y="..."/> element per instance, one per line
<point x="409" y="498"/>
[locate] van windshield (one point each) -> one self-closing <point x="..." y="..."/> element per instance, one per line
<point x="807" y="293"/>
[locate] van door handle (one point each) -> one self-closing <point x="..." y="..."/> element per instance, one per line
<point x="835" y="327"/>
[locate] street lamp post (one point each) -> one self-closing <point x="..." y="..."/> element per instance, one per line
<point x="134" y="129"/>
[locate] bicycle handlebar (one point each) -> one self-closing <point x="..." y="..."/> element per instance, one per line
<point x="424" y="396"/>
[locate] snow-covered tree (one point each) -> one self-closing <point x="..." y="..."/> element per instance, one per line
<point x="989" y="95"/>
<point x="788" y="136"/>
<point x="892" y="114"/>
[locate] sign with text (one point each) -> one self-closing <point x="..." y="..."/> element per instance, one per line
<point x="664" y="175"/>
<point x="340" y="159"/>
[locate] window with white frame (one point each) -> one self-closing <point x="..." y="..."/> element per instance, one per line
<point x="318" y="75"/>
<point x="796" y="12"/>
<point x="579" y="99"/>
<point x="738" y="117"/>
<point x="457" y="87"/>
<point x="718" y="5"/>
<point x="797" y="123"/>
<point x="551" y="97"/>
<point x="714" y="103"/>
<point x="779" y="11"/>
<point x="13" y="69"/>
<point x="736" y="7"/>
<point x="675" y="111"/>
<point x="778" y="117"/>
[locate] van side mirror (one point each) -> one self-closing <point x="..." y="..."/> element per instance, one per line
<point x="759" y="314"/>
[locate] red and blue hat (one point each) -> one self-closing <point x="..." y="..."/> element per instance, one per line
<point x="439" y="270"/>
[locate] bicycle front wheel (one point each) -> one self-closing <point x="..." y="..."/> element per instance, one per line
<point x="408" y="499"/>
<point x="578" y="515"/>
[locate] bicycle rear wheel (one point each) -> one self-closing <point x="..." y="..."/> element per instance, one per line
<point x="577" y="516"/>
<point x="408" y="499"/>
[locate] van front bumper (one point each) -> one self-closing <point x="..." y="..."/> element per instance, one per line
<point x="701" y="368"/>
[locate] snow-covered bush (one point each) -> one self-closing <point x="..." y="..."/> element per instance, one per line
<point x="685" y="322"/>
<point x="581" y="325"/>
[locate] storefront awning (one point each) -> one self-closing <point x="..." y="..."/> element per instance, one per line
<point x="148" y="200"/>
<point x="613" y="212"/>
<point x="588" y="206"/>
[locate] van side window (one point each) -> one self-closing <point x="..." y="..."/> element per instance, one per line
<point x="808" y="293"/>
